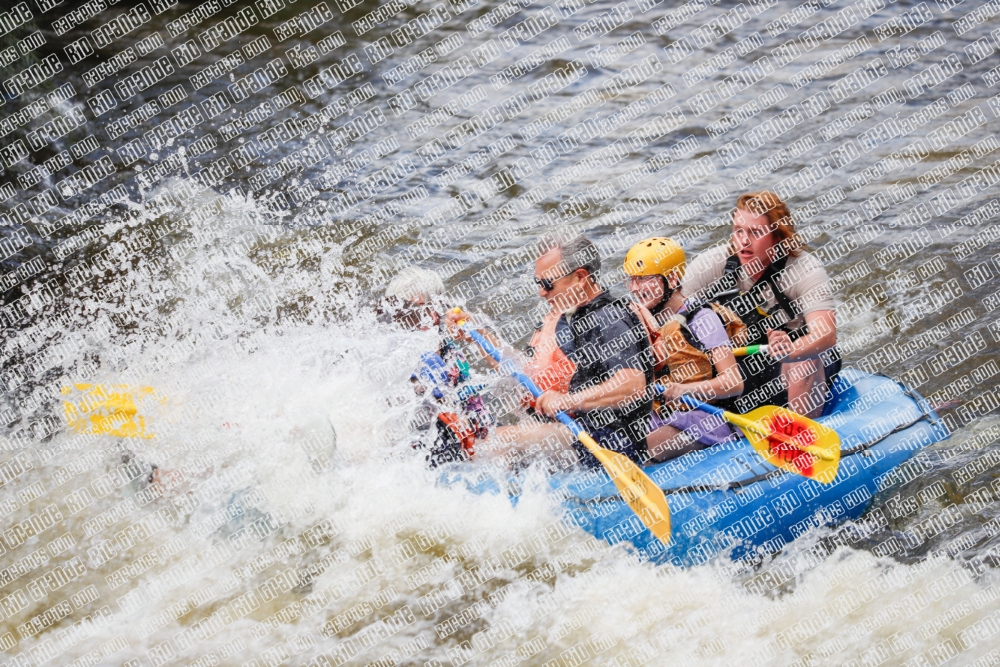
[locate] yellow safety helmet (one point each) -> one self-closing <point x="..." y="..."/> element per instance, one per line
<point x="658" y="256"/>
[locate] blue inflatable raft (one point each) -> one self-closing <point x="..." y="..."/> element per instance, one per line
<point x="727" y="499"/>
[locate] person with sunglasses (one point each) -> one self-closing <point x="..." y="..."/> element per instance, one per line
<point x="590" y="355"/>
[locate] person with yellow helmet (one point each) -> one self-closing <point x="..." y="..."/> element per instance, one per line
<point x="692" y="347"/>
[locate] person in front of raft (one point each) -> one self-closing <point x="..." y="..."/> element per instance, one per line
<point x="692" y="348"/>
<point x="782" y="293"/>
<point x="590" y="356"/>
<point x="449" y="400"/>
<point x="413" y="300"/>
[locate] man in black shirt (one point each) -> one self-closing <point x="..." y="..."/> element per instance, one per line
<point x="590" y="355"/>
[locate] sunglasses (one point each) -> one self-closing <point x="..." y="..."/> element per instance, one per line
<point x="548" y="284"/>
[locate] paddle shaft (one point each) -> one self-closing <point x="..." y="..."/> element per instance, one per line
<point x="734" y="419"/>
<point x="525" y="380"/>
<point x="638" y="491"/>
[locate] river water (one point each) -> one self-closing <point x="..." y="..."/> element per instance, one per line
<point x="234" y="263"/>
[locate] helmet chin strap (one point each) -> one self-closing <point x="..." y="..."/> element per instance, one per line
<point x="667" y="293"/>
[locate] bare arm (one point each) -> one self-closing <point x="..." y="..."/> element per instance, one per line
<point x="452" y="319"/>
<point x="622" y="387"/>
<point x="728" y="381"/>
<point x="822" y="336"/>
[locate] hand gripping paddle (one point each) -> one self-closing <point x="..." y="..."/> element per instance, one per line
<point x="644" y="497"/>
<point x="785" y="439"/>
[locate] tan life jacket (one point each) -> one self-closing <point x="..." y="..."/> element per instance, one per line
<point x="549" y="366"/>
<point x="735" y="328"/>
<point x="685" y="362"/>
<point x="677" y="359"/>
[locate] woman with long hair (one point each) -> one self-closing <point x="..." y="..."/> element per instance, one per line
<point x="782" y="292"/>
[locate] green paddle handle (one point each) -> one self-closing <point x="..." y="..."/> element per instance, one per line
<point x="749" y="349"/>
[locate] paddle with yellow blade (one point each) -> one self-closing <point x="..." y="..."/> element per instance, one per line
<point x="113" y="410"/>
<point x="106" y="409"/>
<point x="785" y="439"/>
<point x="644" y="497"/>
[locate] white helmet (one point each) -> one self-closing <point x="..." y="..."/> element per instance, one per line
<point x="415" y="285"/>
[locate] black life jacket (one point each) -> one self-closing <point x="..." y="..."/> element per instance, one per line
<point x="762" y="384"/>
